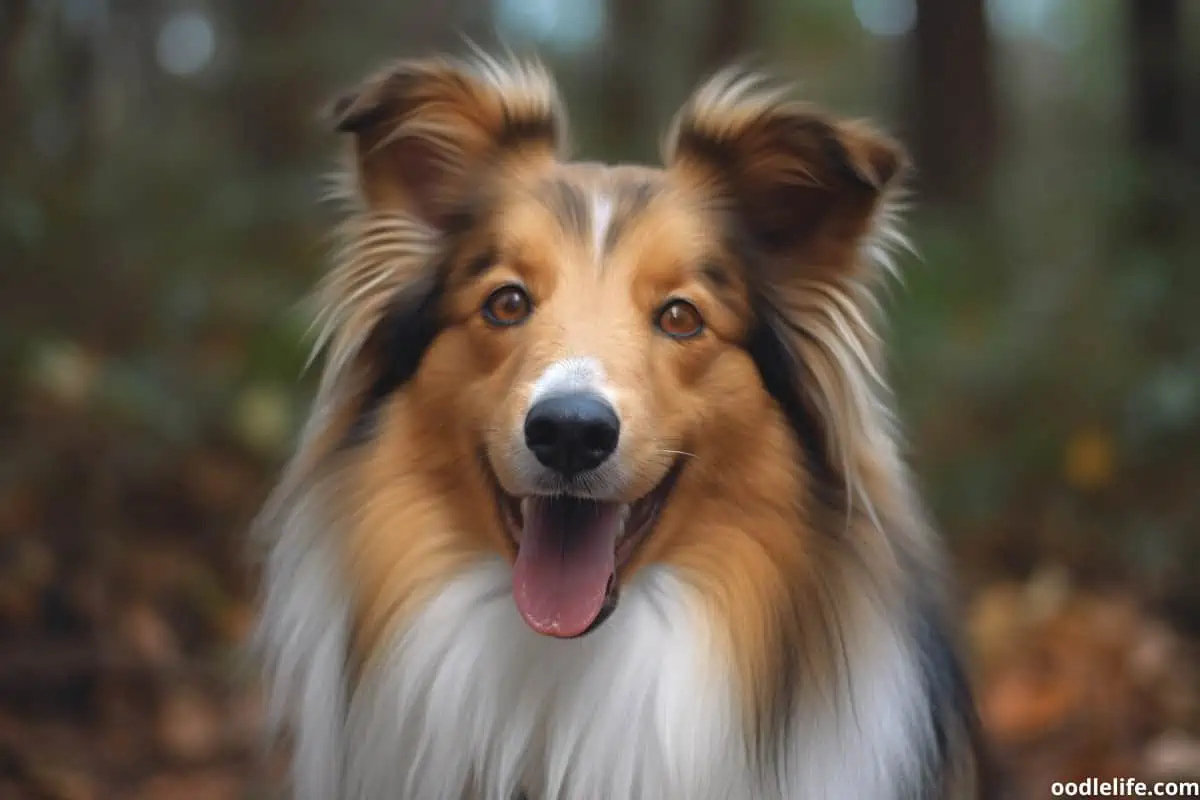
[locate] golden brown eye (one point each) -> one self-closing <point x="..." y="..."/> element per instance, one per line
<point x="680" y="319"/>
<point x="508" y="305"/>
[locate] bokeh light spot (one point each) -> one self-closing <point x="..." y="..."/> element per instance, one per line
<point x="186" y="43"/>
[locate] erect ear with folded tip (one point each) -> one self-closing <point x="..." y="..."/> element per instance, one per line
<point x="799" y="184"/>
<point x="426" y="131"/>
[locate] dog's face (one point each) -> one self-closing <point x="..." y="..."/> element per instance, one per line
<point x="592" y="331"/>
<point x="573" y="339"/>
<point x="586" y="327"/>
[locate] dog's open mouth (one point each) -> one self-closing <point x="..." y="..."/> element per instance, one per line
<point x="570" y="551"/>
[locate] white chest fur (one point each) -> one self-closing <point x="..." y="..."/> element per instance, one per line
<point x="470" y="702"/>
<point x="636" y="709"/>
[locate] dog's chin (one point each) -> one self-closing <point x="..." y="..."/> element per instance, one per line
<point x="571" y="551"/>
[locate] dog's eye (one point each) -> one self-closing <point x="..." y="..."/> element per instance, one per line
<point x="508" y="305"/>
<point x="680" y="319"/>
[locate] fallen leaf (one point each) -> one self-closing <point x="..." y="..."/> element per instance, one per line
<point x="149" y="636"/>
<point x="1089" y="460"/>
<point x="1174" y="756"/>
<point x="188" y="727"/>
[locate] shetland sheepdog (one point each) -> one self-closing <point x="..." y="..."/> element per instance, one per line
<point x="600" y="497"/>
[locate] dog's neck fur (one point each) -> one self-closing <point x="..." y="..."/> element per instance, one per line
<point x="468" y="702"/>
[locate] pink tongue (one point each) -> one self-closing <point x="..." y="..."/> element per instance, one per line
<point x="564" y="563"/>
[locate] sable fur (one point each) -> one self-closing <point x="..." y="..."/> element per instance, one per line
<point x="792" y="581"/>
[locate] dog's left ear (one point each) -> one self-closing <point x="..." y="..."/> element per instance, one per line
<point x="799" y="185"/>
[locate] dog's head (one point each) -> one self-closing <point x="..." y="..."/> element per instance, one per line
<point x="570" y="354"/>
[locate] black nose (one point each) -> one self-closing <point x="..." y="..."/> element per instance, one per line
<point x="570" y="433"/>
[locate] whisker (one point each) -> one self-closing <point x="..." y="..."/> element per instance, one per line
<point x="677" y="453"/>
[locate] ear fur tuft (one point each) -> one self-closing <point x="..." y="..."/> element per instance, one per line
<point x="789" y="174"/>
<point x="426" y="131"/>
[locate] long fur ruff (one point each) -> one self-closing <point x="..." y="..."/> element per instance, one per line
<point x="825" y="670"/>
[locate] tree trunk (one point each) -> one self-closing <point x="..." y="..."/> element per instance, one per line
<point x="954" y="101"/>
<point x="14" y="18"/>
<point x="1156" y="112"/>
<point x="273" y="96"/>
<point x="730" y="32"/>
<point x="625" y="102"/>
<point x="1156" y="74"/>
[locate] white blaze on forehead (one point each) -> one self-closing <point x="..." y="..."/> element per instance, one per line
<point x="568" y="376"/>
<point x="602" y="214"/>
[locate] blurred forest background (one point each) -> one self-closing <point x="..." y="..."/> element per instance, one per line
<point x="160" y="164"/>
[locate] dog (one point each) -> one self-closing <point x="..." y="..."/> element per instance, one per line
<point x="600" y="496"/>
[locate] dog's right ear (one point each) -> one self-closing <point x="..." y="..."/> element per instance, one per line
<point x="425" y="132"/>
